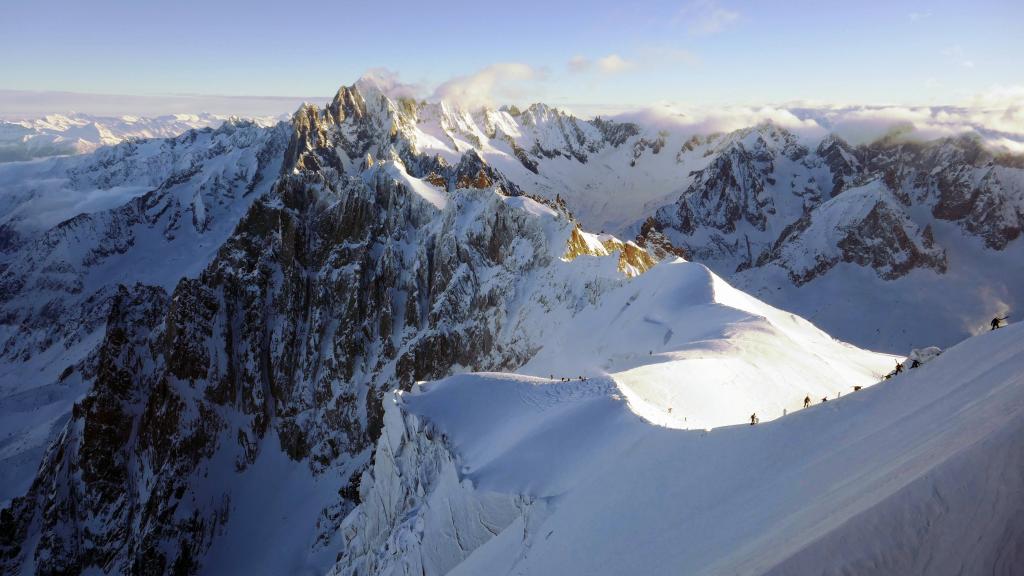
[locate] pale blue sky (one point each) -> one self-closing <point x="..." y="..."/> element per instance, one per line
<point x="697" y="51"/>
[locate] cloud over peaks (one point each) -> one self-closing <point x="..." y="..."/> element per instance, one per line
<point x="387" y="82"/>
<point x="495" y="84"/>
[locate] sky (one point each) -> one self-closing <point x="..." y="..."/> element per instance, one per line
<point x="597" y="53"/>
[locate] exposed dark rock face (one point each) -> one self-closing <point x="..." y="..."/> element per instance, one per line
<point x="959" y="179"/>
<point x="473" y="172"/>
<point x="841" y="160"/>
<point x="577" y="138"/>
<point x="731" y="189"/>
<point x="879" y="237"/>
<point x="656" y="243"/>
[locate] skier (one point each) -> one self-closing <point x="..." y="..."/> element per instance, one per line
<point x="753" y="418"/>
<point x="899" y="368"/>
<point x="997" y="322"/>
<point x="807" y="401"/>
<point x="825" y="399"/>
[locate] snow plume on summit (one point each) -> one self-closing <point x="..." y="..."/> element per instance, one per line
<point x="490" y="86"/>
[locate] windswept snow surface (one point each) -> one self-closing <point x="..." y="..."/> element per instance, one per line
<point x="922" y="474"/>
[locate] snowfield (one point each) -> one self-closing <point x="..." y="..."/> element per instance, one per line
<point x="506" y="474"/>
<point x="679" y="337"/>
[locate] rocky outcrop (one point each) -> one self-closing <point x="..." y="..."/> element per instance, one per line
<point x="653" y="240"/>
<point x="842" y="162"/>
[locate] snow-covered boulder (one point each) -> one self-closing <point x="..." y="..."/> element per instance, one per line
<point x="924" y="355"/>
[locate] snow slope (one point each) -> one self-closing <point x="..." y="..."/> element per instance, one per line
<point x="680" y="337"/>
<point x="462" y="460"/>
<point x="922" y="308"/>
<point x="923" y="474"/>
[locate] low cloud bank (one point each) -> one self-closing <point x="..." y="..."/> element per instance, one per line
<point x="1001" y="124"/>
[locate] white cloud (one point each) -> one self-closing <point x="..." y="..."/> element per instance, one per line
<point x="613" y="63"/>
<point x="495" y="84"/>
<point x="387" y="82"/>
<point x="709" y="120"/>
<point x="997" y="116"/>
<point x="705" y="17"/>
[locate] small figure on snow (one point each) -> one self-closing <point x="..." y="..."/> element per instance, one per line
<point x="856" y="388"/>
<point x="807" y="401"/>
<point x="753" y="419"/>
<point x="899" y="368"/>
<point x="825" y="399"/>
<point x="997" y="322"/>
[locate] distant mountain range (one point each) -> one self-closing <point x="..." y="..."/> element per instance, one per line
<point x="63" y="134"/>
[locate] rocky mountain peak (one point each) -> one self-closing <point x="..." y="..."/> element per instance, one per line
<point x="347" y="103"/>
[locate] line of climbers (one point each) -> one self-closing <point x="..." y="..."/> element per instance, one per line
<point x="567" y="379"/>
<point x="754" y="419"/>
<point x="917" y="357"/>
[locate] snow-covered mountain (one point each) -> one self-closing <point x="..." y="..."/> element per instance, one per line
<point x="76" y="133"/>
<point x="807" y="224"/>
<point x="172" y="204"/>
<point x="503" y="474"/>
<point x="203" y="335"/>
